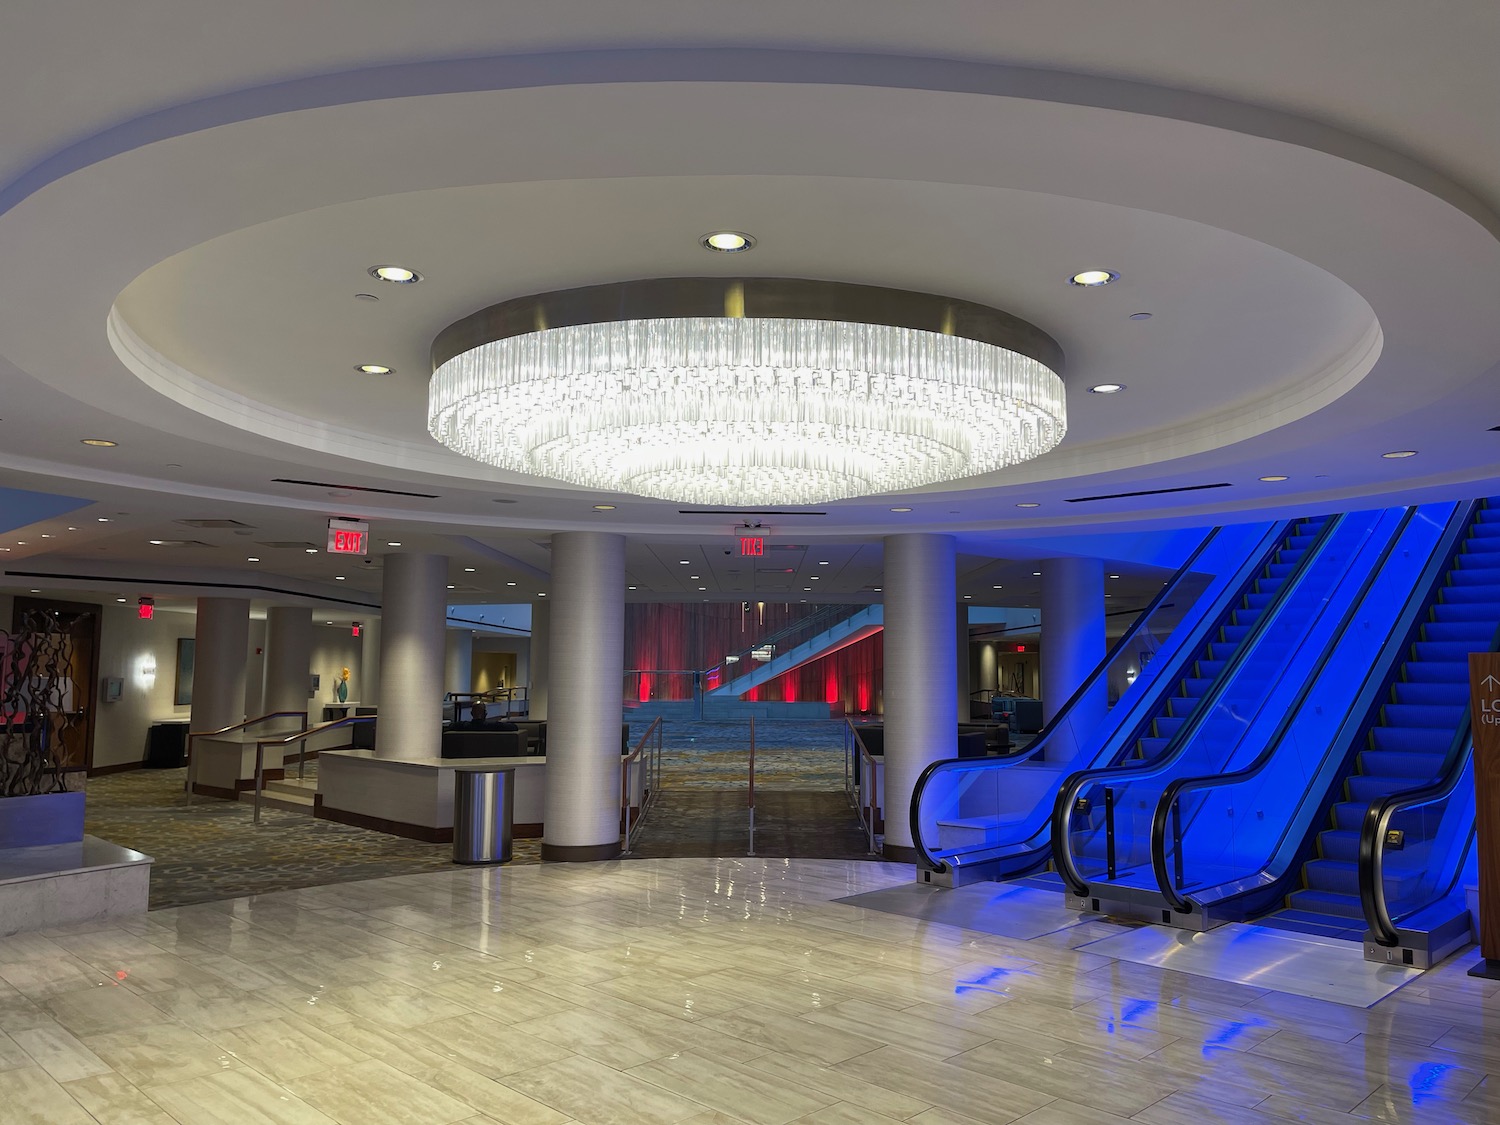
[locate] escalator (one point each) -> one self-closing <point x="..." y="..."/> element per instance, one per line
<point x="988" y="818"/>
<point x="1284" y="840"/>
<point x="1105" y="820"/>
<point x="1409" y="743"/>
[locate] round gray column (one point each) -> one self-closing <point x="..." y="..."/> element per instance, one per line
<point x="963" y="669"/>
<point x="989" y="667"/>
<point x="413" y="635"/>
<point x="921" y="673"/>
<point x="1072" y="637"/>
<point x="458" y="664"/>
<point x="367" y="690"/>
<point x="536" y="661"/>
<point x="586" y="665"/>
<point x="221" y="644"/>
<point x="289" y="632"/>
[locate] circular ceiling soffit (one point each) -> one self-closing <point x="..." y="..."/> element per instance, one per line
<point x="758" y="390"/>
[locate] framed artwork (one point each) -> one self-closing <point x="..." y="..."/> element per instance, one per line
<point x="182" y="691"/>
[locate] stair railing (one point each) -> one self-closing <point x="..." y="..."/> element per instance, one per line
<point x="301" y="738"/>
<point x="864" y="794"/>
<point x="647" y="753"/>
<point x="192" y="759"/>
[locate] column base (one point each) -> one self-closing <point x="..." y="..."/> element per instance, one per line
<point x="898" y="853"/>
<point x="579" y="853"/>
<point x="1486" y="967"/>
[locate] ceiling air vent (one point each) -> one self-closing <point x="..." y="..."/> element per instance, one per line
<point x="179" y="543"/>
<point x="748" y="512"/>
<point x="206" y="525"/>
<point x="1145" y="492"/>
<point x="354" y="488"/>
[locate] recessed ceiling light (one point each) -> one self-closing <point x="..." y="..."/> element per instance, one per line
<point x="102" y="443"/>
<point x="311" y="550"/>
<point x="542" y="595"/>
<point x="119" y="599"/>
<point x="1140" y="316"/>
<point x="339" y="578"/>
<point x="396" y="275"/>
<point x="693" y="576"/>
<point x="1114" y="576"/>
<point x="1395" y="454"/>
<point x="468" y="570"/>
<point x="968" y="596"/>
<point x="46" y="535"/>
<point x="875" y="588"/>
<point x="823" y="562"/>
<point x="703" y="587"/>
<point x="1028" y="504"/>
<point x="328" y="623"/>
<point x="393" y="544"/>
<point x="1274" y="477"/>
<point x="103" y="519"/>
<point x="685" y="562"/>
<point x="452" y="587"/>
<point x="997" y="587"/>
<point x="1107" y="389"/>
<point x="510" y="583"/>
<point x="627" y="587"/>
<point x="72" y="529"/>
<point x="252" y="558"/>
<point x="157" y="542"/>
<point x="604" y="507"/>
<point x="1036" y="574"/>
<point x="373" y="369"/>
<point x="807" y="589"/>
<point x="728" y="241"/>
<point x="900" y="509"/>
<point x="1090" y="279"/>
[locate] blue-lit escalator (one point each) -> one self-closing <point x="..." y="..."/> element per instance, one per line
<point x="988" y="818"/>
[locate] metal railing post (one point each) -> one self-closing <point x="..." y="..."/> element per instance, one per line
<point x="752" y="786"/>
<point x="260" y="753"/>
<point x="1109" y="832"/>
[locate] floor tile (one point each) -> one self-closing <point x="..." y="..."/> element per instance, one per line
<point x="234" y="1097"/>
<point x="373" y="1093"/>
<point x="595" y="1094"/>
<point x="31" y="1097"/>
<point x="731" y="1087"/>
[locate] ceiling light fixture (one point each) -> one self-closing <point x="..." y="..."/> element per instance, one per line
<point x="1092" y="279"/>
<point x="310" y="550"/>
<point x="339" y="578"/>
<point x="900" y="509"/>
<point x="604" y="507"/>
<point x="704" y="391"/>
<point x="468" y="570"/>
<point x="1274" y="477"/>
<point x="1140" y="316"/>
<point x="1028" y="504"/>
<point x="727" y="241"/>
<point x="374" y="369"/>
<point x="393" y="544"/>
<point x="1399" y="453"/>
<point x="102" y="443"/>
<point x="396" y="275"/>
<point x="157" y="542"/>
<point x="102" y="519"/>
<point x="1107" y="389"/>
<point x="252" y="558"/>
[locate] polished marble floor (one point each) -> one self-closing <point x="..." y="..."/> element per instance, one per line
<point x="703" y="991"/>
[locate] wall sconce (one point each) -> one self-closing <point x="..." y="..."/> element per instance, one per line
<point x="145" y="671"/>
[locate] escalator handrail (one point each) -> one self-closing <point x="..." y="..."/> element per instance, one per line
<point x="1040" y="741"/>
<point x="1067" y="792"/>
<point x="1176" y="788"/>
<point x="1378" y="818"/>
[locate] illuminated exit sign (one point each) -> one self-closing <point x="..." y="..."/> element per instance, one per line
<point x="348" y="537"/>
<point x="752" y="546"/>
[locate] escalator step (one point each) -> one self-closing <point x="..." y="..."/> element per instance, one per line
<point x="1280" y="569"/>
<point x="1326" y="902"/>
<point x="1339" y="844"/>
<point x="1468" y="612"/>
<point x="1414" y="715"/>
<point x="1397" y="763"/>
<point x="1438" y="671"/>
<point x="1258" y="599"/>
<point x="1332" y="875"/>
<point x="1431" y="694"/>
<point x="1348" y="816"/>
<point x="1483" y="595"/>
<point x="1234" y="633"/>
<point x="1476" y="575"/>
<point x="1363" y="790"/>
<point x="1195" y="688"/>
<point x="1148" y="748"/>
<point x="1411" y="740"/>
<point x="1446" y="651"/>
<point x="1168" y="725"/>
<point x="1475" y="632"/>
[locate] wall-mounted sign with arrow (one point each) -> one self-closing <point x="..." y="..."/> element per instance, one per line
<point x="1484" y="713"/>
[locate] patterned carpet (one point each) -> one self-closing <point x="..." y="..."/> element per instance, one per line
<point x="211" y="850"/>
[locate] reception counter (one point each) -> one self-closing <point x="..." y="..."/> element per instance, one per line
<point x="414" y="797"/>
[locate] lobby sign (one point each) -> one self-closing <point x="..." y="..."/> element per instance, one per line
<point x="1484" y="711"/>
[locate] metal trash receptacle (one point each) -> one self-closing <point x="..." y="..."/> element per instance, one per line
<point x="483" y="809"/>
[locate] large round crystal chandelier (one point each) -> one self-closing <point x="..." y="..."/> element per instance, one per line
<point x="765" y="391"/>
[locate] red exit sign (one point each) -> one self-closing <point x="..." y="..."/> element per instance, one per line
<point x="752" y="546"/>
<point x="348" y="537"/>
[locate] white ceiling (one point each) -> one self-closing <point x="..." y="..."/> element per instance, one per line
<point x="1304" y="198"/>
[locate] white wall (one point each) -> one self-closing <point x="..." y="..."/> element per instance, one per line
<point x="255" y="669"/>
<point x="128" y="647"/>
<point x="333" y="650"/>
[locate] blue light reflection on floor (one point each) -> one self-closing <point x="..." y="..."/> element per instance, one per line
<point x="1424" y="1081"/>
<point x="986" y="978"/>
